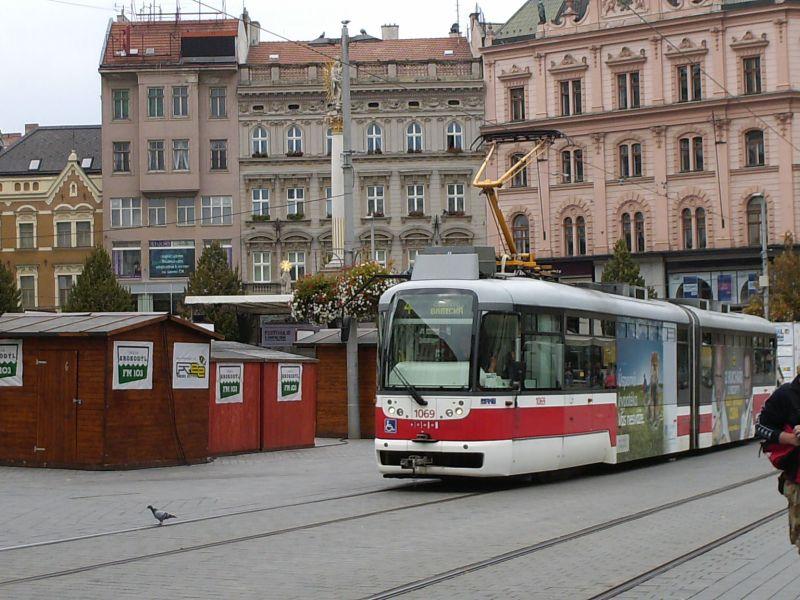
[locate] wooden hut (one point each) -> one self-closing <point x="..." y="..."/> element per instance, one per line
<point x="103" y="390"/>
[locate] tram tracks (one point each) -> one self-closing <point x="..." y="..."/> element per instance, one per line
<point x="389" y="593"/>
<point x="442" y="577"/>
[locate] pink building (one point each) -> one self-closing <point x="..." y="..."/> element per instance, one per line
<point x="169" y="143"/>
<point x="678" y="117"/>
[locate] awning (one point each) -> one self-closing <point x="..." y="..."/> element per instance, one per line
<point x="260" y="304"/>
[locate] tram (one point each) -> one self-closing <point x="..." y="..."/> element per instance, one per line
<point x="500" y="375"/>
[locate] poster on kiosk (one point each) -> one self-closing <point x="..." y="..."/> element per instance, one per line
<point x="290" y="383"/>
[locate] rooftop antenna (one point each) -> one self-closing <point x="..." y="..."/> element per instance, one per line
<point x="458" y="16"/>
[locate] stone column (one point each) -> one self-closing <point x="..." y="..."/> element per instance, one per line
<point x="717" y="64"/>
<point x="782" y="55"/>
<point x="540" y="84"/>
<point x="660" y="203"/>
<point x="657" y="73"/>
<point x="435" y="198"/>
<point x="597" y="80"/>
<point x="722" y="237"/>
<point x="783" y="206"/>
<point x="337" y="203"/>
<point x="600" y="218"/>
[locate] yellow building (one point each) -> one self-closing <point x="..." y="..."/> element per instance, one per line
<point x="51" y="202"/>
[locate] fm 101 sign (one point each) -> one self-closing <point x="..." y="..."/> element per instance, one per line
<point x="133" y="366"/>
<point x="230" y="383"/>
<point x="10" y="363"/>
<point x="290" y="382"/>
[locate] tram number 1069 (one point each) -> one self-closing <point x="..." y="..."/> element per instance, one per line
<point x="424" y="413"/>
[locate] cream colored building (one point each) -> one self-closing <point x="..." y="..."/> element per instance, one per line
<point x="679" y="123"/>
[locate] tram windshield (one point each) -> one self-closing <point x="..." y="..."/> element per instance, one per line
<point x="430" y="342"/>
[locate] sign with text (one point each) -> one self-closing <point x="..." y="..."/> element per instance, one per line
<point x="290" y="382"/>
<point x="10" y="363"/>
<point x="230" y="383"/>
<point x="133" y="366"/>
<point x="171" y="259"/>
<point x="190" y="363"/>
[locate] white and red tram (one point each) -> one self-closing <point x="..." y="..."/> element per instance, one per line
<point x="506" y="376"/>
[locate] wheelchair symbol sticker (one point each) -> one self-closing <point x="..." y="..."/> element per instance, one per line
<point x="390" y="426"/>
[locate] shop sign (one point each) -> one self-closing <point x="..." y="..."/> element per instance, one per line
<point x="290" y="382"/>
<point x="190" y="366"/>
<point x="230" y="383"/>
<point x="133" y="366"/>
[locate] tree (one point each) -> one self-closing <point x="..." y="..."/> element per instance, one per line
<point x="9" y="294"/>
<point x="622" y="268"/>
<point x="97" y="288"/>
<point x="784" y="286"/>
<point x="214" y="277"/>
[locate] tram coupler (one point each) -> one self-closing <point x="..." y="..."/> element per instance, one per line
<point x="414" y="462"/>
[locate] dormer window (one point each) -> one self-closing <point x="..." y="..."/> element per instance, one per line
<point x="34" y="164"/>
<point x="86" y="163"/>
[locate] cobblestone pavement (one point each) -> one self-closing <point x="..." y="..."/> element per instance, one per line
<point x="360" y="545"/>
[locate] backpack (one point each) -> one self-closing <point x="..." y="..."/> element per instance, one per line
<point x="784" y="457"/>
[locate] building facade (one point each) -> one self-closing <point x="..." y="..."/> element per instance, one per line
<point x="52" y="210"/>
<point x="678" y="125"/>
<point x="170" y="139"/>
<point x="417" y="106"/>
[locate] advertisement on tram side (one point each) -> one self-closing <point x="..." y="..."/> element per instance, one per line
<point x="731" y="392"/>
<point x="646" y="393"/>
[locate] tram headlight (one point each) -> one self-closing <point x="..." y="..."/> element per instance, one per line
<point x="391" y="410"/>
<point x="449" y="412"/>
<point x="459" y="411"/>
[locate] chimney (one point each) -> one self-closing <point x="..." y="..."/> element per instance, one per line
<point x="455" y="31"/>
<point x="29" y="127"/>
<point x="390" y="32"/>
<point x="255" y="33"/>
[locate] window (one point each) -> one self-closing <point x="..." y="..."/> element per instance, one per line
<point x="225" y="245"/>
<point x="500" y="367"/>
<point x="180" y="155"/>
<point x="589" y="355"/>
<point x="27" y="288"/>
<point x="185" y="214"/>
<point x="262" y="267"/>
<point x="328" y="202"/>
<point x="155" y="155"/>
<point x="218" y="108"/>
<point x="297" y="260"/>
<point x="455" y="137"/>
<point x="259" y="141"/>
<point x="414" y="137"/>
<point x="328" y="142"/>
<point x="416" y="199"/>
<point x="216" y="210"/>
<point x="219" y="155"/>
<point x="295" y="201"/>
<point x="754" y="220"/>
<point x="86" y="162"/>
<point x="83" y="234"/>
<point x="628" y="94"/>
<point x="155" y="102"/>
<point x="374" y="139"/>
<point x="261" y="202"/>
<point x="543" y="351"/>
<point x="121" y="104"/>
<point x="65" y="285"/>
<point x="180" y="101"/>
<point x="412" y="256"/>
<point x="375" y="204"/>
<point x="157" y="212"/>
<point x="627" y="234"/>
<point x="455" y="198"/>
<point x="690" y="85"/>
<point x="571" y="97"/>
<point x="381" y="257"/>
<point x="686" y="226"/>
<point x="126" y="212"/>
<point x="638" y="223"/>
<point x="520" y="179"/>
<point x="569" y="237"/>
<point x="691" y="154"/>
<point x="752" y="74"/>
<point x="700" y="220"/>
<point x="122" y="157"/>
<point x="630" y="160"/>
<point x="64" y="234"/>
<point x="517" y="95"/>
<point x="294" y="141"/>
<point x="521" y="230"/>
<point x="26" y="236"/>
<point x="754" y="148"/>
<point x="580" y="230"/>
<point x="127" y="259"/>
<point x="572" y="166"/>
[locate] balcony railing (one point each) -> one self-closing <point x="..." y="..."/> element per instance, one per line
<point x="252" y="289"/>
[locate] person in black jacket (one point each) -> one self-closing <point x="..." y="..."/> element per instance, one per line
<point x="782" y="409"/>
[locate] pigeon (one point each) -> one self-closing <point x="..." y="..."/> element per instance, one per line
<point x="160" y="515"/>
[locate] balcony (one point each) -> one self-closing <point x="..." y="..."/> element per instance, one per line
<point x="252" y="289"/>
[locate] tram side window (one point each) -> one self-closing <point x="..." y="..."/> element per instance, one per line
<point x="764" y="368"/>
<point x="589" y="360"/>
<point x="500" y="367"/>
<point x="684" y="390"/>
<point x="543" y="348"/>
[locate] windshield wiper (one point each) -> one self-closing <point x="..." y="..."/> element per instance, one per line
<point x="411" y="389"/>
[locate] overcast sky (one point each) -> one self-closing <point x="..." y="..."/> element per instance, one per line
<point x="49" y="49"/>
